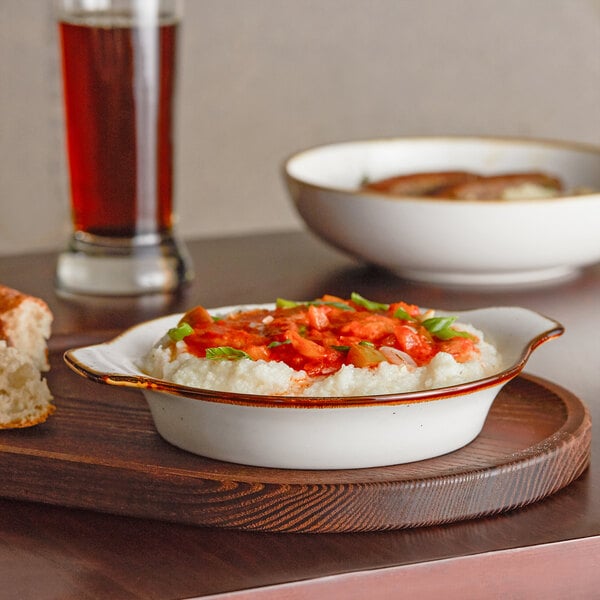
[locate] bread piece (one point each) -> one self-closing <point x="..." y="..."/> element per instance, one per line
<point x="25" y="324"/>
<point x="420" y="184"/>
<point x="504" y="187"/>
<point x="25" y="399"/>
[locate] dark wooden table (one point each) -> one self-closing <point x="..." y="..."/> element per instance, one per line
<point x="549" y="549"/>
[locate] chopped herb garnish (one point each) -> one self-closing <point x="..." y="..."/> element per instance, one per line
<point x="400" y="313"/>
<point x="366" y="343"/>
<point x="181" y="331"/>
<point x="226" y="353"/>
<point x="341" y="348"/>
<point x="368" y="304"/>
<point x="441" y="327"/>
<point x="275" y="344"/>
<point x="340" y="305"/>
<point x="282" y="303"/>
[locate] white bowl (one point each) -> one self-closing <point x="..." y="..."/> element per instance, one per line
<point x="462" y="242"/>
<point x="318" y="433"/>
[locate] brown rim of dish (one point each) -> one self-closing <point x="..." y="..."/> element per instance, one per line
<point x="144" y="382"/>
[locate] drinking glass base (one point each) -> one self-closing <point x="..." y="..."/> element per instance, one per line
<point x="122" y="267"/>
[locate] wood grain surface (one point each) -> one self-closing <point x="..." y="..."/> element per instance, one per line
<point x="101" y="451"/>
<point x="549" y="549"/>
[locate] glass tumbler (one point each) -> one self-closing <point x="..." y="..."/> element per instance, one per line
<point x="119" y="60"/>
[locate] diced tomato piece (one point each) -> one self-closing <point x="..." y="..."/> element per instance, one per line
<point x="416" y="345"/>
<point x="370" y="327"/>
<point x="286" y="353"/>
<point x="258" y="352"/>
<point x="317" y="317"/>
<point x="461" y="348"/>
<point x="412" y="309"/>
<point x="305" y="347"/>
<point x="197" y="317"/>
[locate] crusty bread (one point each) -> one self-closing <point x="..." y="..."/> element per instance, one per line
<point x="25" y="399"/>
<point x="25" y="323"/>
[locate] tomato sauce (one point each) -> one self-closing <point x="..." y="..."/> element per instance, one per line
<point x="320" y="337"/>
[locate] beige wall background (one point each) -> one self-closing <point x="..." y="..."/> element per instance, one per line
<point x="261" y="79"/>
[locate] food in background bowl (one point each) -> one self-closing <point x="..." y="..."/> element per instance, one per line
<point x="463" y="185"/>
<point x="327" y="347"/>
<point x="526" y="241"/>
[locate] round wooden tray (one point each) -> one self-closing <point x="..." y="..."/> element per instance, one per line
<point x="100" y="451"/>
<point x="536" y="440"/>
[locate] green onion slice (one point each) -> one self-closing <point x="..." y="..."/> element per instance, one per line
<point x="341" y="348"/>
<point x="181" y="331"/>
<point x="340" y="305"/>
<point x="441" y="327"/>
<point x="368" y="304"/>
<point x="275" y="344"/>
<point x="283" y="303"/>
<point x="226" y="353"/>
<point x="400" y="313"/>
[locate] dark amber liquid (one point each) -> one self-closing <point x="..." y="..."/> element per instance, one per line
<point x="119" y="127"/>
